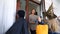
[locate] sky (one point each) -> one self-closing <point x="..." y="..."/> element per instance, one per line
<point x="56" y="6"/>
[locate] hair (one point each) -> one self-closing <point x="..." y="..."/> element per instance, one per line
<point x="18" y="0"/>
<point x="35" y="11"/>
<point x="21" y="13"/>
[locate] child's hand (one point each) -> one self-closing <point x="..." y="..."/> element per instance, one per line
<point x="39" y="19"/>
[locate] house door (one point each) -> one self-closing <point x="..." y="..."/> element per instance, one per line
<point x="27" y="5"/>
<point x="22" y="5"/>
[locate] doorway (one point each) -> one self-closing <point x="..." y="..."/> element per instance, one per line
<point x="27" y="6"/>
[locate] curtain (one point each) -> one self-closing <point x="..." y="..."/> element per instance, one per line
<point x="7" y="14"/>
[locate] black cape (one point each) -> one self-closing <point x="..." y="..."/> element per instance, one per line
<point x="19" y="27"/>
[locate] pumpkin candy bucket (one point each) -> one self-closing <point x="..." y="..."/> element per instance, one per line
<point x="42" y="29"/>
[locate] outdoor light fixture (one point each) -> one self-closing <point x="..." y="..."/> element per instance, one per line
<point x="39" y="0"/>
